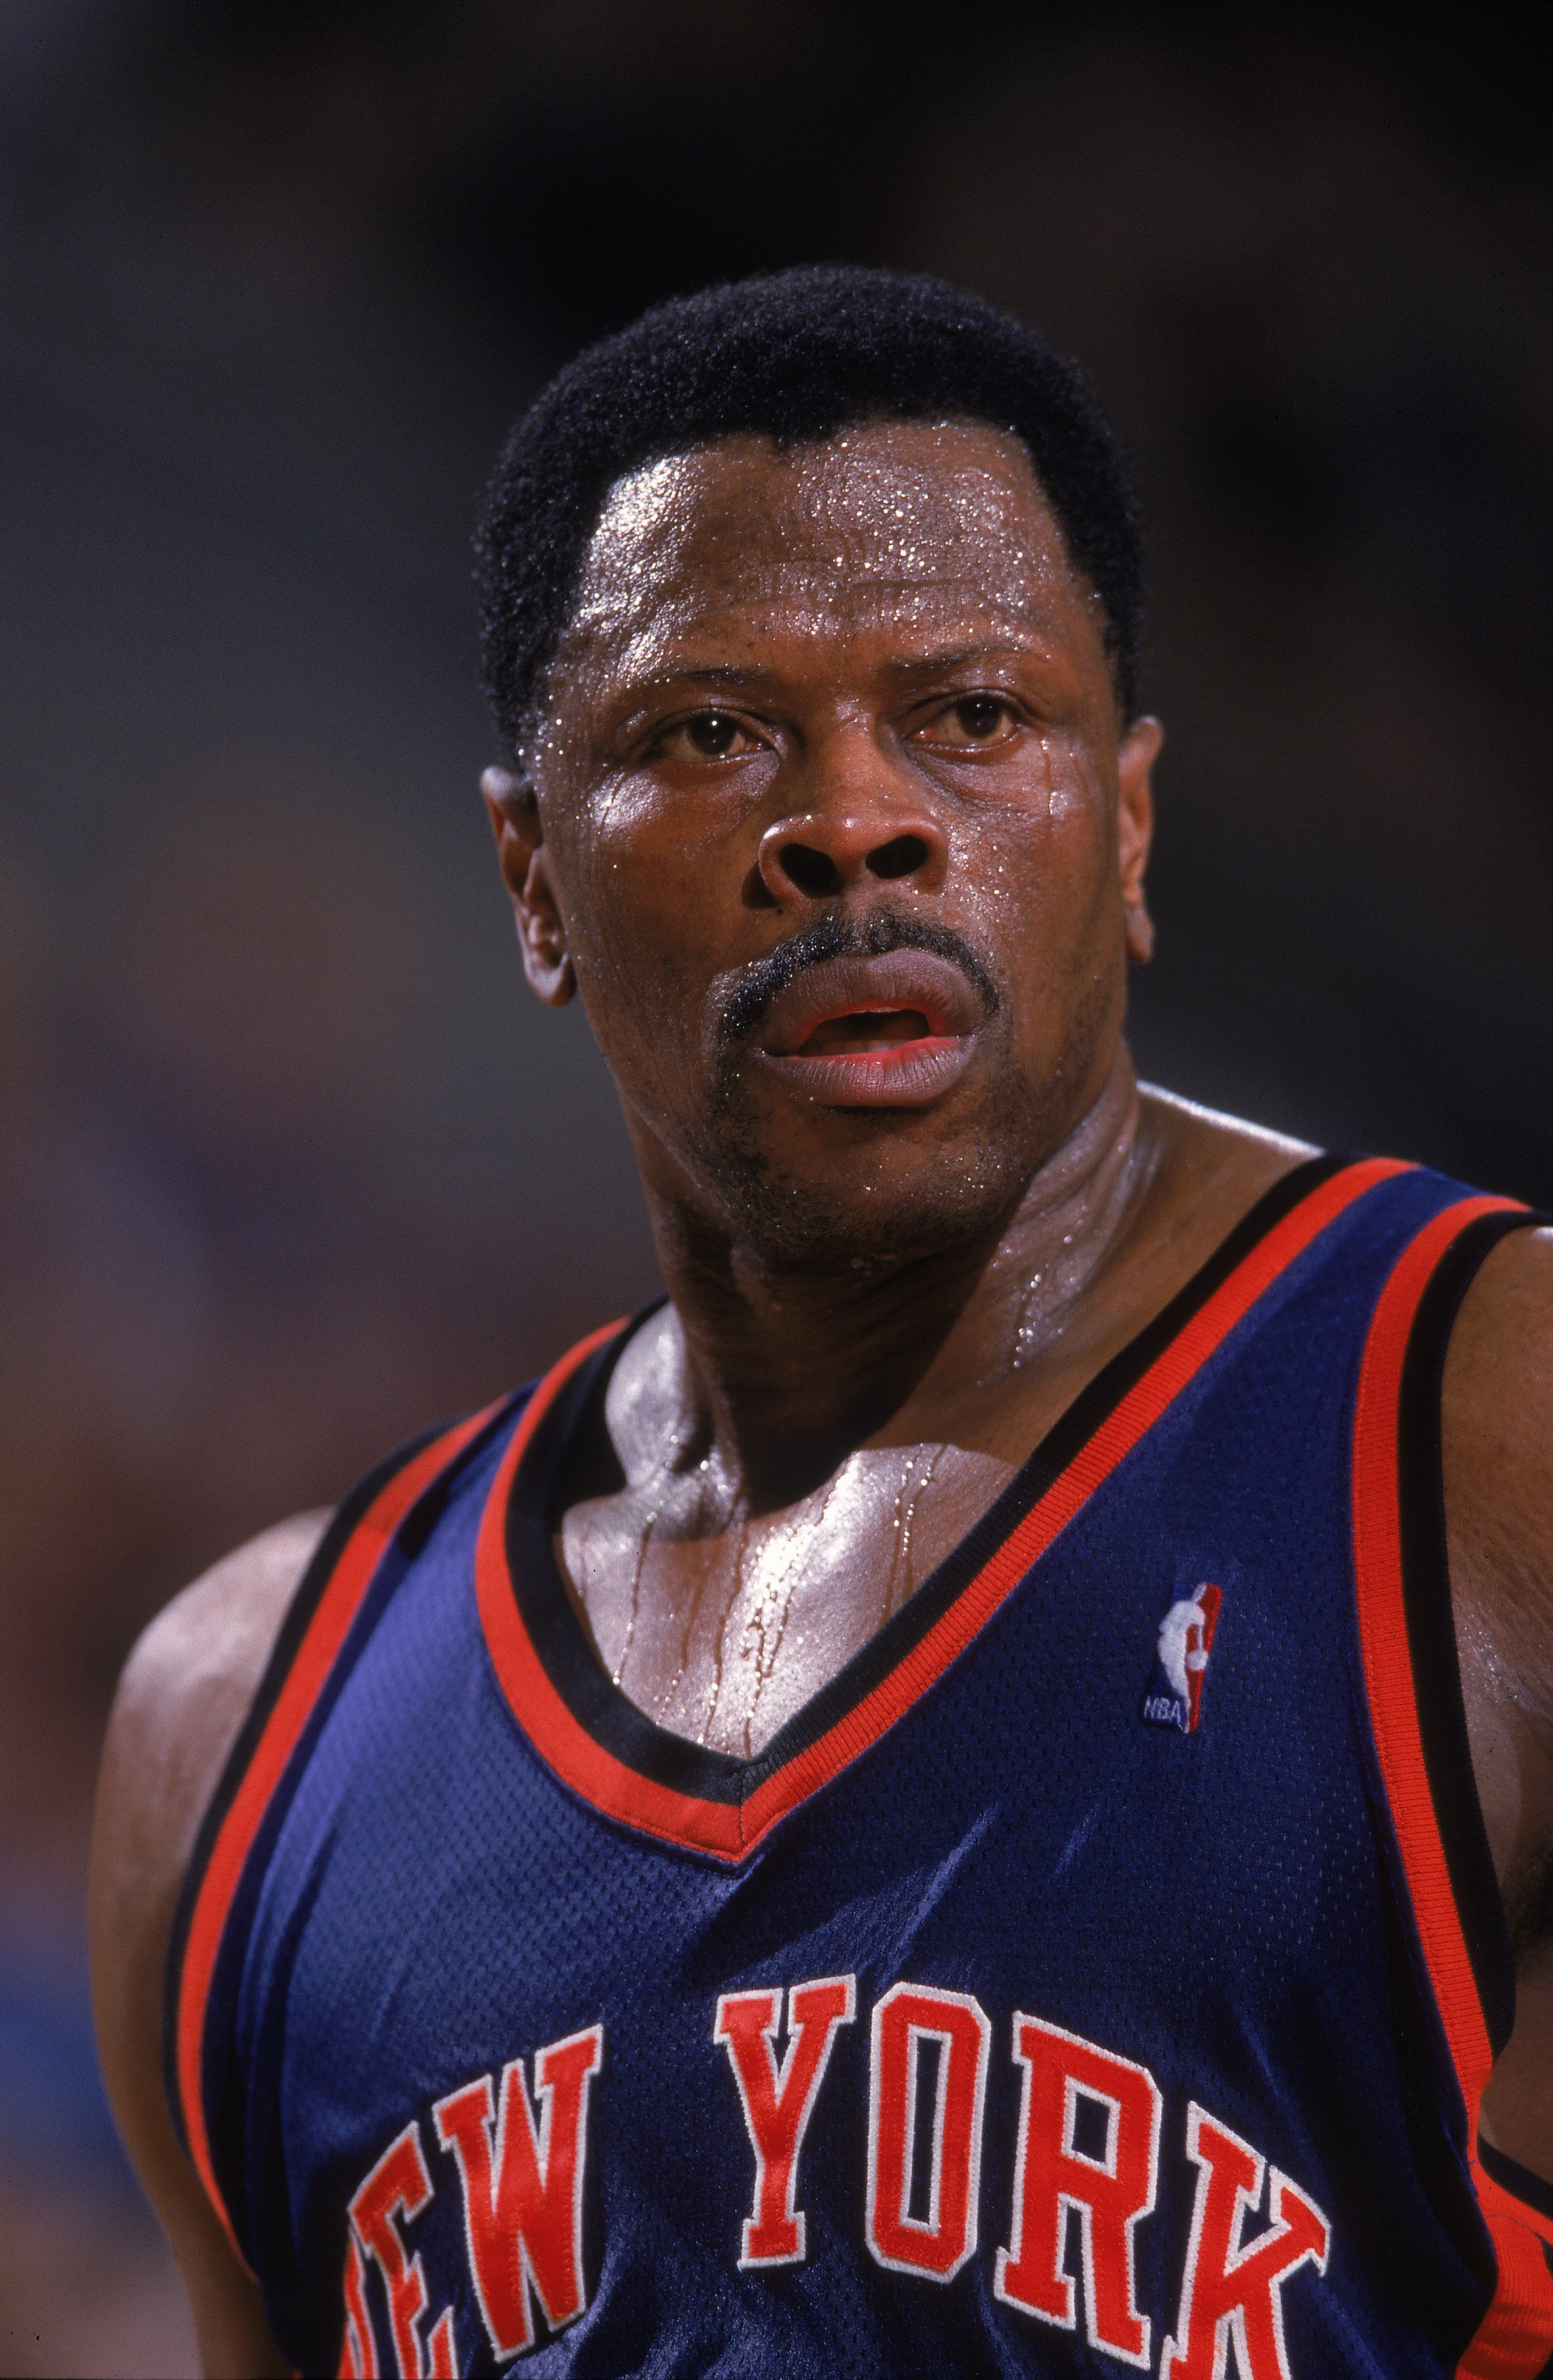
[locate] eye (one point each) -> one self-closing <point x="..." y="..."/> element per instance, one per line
<point x="711" y="736"/>
<point x="975" y="719"/>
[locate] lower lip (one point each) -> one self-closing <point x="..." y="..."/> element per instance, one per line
<point x="911" y="1074"/>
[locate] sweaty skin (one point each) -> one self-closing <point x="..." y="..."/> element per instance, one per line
<point x="830" y="820"/>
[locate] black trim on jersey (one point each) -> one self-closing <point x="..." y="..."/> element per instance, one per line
<point x="1431" y="1632"/>
<point x="1518" y="2180"/>
<point x="559" y="1638"/>
<point x="347" y="1518"/>
<point x="1531" y="2190"/>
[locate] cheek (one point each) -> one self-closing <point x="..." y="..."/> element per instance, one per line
<point x="1039" y="861"/>
<point x="639" y="903"/>
<point x="1075" y="795"/>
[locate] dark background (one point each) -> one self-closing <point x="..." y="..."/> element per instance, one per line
<point x="289" y="1164"/>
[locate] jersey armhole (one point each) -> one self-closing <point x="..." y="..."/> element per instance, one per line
<point x="1535" y="2194"/>
<point x="1431" y="1628"/>
<point x="323" y="1610"/>
<point x="1412" y="1684"/>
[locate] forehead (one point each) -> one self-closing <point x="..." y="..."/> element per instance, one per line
<point x="906" y="521"/>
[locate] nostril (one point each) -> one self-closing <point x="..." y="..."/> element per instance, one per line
<point x="809" y="870"/>
<point x="900" y="857"/>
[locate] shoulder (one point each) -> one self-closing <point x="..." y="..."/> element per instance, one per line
<point x="1209" y="1170"/>
<point x="1507" y="1313"/>
<point x="1497" y="1422"/>
<point x="1208" y="1138"/>
<point x="187" y="1687"/>
<point x="1497" y="1459"/>
<point x="185" y="1691"/>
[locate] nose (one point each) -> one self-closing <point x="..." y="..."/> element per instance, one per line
<point x="863" y="837"/>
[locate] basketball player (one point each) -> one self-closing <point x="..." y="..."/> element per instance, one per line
<point x="965" y="1794"/>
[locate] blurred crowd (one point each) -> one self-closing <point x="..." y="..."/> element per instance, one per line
<point x="289" y="1164"/>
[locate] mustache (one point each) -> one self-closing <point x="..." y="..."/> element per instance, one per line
<point x="839" y="937"/>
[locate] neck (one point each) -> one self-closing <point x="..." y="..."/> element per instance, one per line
<point x="784" y="1374"/>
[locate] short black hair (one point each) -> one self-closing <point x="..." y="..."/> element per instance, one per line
<point x="795" y="356"/>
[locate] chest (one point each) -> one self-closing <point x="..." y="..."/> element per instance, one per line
<point x="1109" y="1786"/>
<point x="1196" y="1920"/>
<point x="720" y="1628"/>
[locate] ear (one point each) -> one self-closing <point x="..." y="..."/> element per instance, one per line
<point x="1135" y="830"/>
<point x="520" y="847"/>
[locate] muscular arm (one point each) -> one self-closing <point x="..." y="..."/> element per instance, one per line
<point x="184" y="1693"/>
<point x="1498" y="1444"/>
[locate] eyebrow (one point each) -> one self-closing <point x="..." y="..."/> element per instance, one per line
<point x="716" y="673"/>
<point x="956" y="656"/>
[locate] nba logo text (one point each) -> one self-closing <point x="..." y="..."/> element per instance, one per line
<point x="1175" y="1690"/>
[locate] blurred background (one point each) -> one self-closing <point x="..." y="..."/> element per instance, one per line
<point x="290" y="1162"/>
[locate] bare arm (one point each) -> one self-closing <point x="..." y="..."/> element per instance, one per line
<point x="1498" y="1442"/>
<point x="181" y="1701"/>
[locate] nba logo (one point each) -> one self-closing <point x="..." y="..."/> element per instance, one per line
<point x="1176" y="1691"/>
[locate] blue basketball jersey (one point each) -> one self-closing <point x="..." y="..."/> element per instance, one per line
<point x="1101" y="1973"/>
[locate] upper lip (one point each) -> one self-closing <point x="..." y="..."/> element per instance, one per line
<point x="846" y="987"/>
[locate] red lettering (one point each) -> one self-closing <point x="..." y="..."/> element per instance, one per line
<point x="778" y="2101"/>
<point x="359" y="2349"/>
<point x="1234" y="2292"/>
<point x="523" y="2207"/>
<point x="940" y="2244"/>
<point x="396" y="2189"/>
<point x="442" y="2364"/>
<point x="1111" y="2193"/>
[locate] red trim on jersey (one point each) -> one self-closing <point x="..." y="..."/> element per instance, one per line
<point x="341" y="1600"/>
<point x="1516" y="2335"/>
<point x="731" y="1830"/>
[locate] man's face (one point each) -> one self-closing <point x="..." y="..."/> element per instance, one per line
<point x="841" y="841"/>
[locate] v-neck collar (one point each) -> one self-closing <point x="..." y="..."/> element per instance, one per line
<point x="647" y="1777"/>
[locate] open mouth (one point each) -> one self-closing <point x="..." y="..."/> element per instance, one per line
<point x="866" y="1032"/>
<point x="893" y="1030"/>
